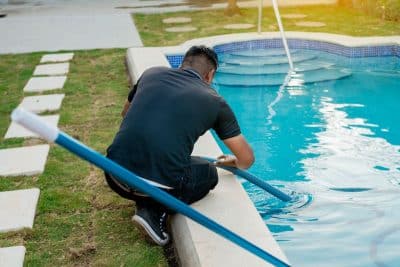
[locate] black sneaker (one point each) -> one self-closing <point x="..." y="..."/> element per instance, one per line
<point x="152" y="223"/>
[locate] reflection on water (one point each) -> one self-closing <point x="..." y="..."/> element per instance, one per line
<point x="335" y="147"/>
<point x="349" y="151"/>
<point x="351" y="161"/>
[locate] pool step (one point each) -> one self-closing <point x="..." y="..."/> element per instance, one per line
<point x="260" y="61"/>
<point x="274" y="69"/>
<point x="278" y="79"/>
<point x="262" y="53"/>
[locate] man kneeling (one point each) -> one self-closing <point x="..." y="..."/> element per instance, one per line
<point x="166" y="112"/>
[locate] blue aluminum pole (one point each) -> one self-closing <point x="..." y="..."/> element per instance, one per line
<point x="253" y="179"/>
<point x="36" y="124"/>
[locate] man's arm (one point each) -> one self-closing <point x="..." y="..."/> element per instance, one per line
<point x="243" y="156"/>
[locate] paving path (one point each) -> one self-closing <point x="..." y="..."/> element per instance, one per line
<point x="65" y="25"/>
<point x="18" y="207"/>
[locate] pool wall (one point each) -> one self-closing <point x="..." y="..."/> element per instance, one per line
<point x="332" y="43"/>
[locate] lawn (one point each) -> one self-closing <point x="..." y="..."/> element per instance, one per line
<point x="79" y="221"/>
<point x="339" y="20"/>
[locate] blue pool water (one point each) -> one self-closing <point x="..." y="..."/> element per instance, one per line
<point x="331" y="138"/>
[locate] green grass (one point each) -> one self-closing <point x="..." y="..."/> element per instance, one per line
<point x="339" y="20"/>
<point x="79" y="221"/>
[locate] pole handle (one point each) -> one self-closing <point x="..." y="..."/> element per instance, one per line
<point x="35" y="124"/>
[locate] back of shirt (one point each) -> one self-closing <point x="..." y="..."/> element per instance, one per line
<point x="170" y="110"/>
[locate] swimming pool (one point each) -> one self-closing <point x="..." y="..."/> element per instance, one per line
<point x="331" y="137"/>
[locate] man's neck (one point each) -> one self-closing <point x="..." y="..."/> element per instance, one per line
<point x="193" y="71"/>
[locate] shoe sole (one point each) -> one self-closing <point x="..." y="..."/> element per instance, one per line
<point x="148" y="232"/>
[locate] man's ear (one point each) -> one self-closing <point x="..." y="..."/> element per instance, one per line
<point x="209" y="76"/>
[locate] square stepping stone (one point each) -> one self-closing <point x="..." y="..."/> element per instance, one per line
<point x="241" y="26"/>
<point x="15" y="130"/>
<point x="40" y="84"/>
<point x="57" y="57"/>
<point x="23" y="160"/>
<point x="52" y="69"/>
<point x="12" y="256"/>
<point x="310" y="24"/>
<point x="42" y="103"/>
<point x="293" y="16"/>
<point x="177" y="20"/>
<point x="18" y="209"/>
<point x="181" y="29"/>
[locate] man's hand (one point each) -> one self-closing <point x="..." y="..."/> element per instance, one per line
<point x="244" y="156"/>
<point x="226" y="160"/>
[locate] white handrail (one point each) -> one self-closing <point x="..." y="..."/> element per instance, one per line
<point x="285" y="45"/>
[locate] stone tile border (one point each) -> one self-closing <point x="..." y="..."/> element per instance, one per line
<point x="181" y="29"/>
<point x="52" y="69"/>
<point x="176" y="20"/>
<point x="310" y="24"/>
<point x="239" y="26"/>
<point x="56" y="57"/>
<point x="31" y="160"/>
<point x="293" y="16"/>
<point x="18" y="209"/>
<point x="12" y="256"/>
<point x="17" y="131"/>
<point x="42" y="103"/>
<point x="41" y="84"/>
<point x="332" y="43"/>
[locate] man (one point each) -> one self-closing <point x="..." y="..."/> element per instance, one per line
<point x="166" y="112"/>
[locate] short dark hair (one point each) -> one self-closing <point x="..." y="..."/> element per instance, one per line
<point x="201" y="58"/>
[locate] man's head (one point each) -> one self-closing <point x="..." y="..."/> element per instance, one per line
<point x="202" y="59"/>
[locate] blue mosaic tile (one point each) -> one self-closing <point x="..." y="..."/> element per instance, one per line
<point x="362" y="51"/>
<point x="175" y="60"/>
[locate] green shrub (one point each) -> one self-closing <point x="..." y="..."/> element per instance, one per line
<point x="392" y="10"/>
<point x="385" y="9"/>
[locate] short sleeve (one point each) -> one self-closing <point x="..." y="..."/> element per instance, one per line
<point x="226" y="125"/>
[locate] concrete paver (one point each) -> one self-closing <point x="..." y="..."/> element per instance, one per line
<point x="293" y="16"/>
<point x="52" y="69"/>
<point x="239" y="26"/>
<point x="61" y="57"/>
<point x="181" y="29"/>
<point x="23" y="160"/>
<point x="42" y="103"/>
<point x="17" y="209"/>
<point x="173" y="20"/>
<point x="310" y="24"/>
<point x="15" y="130"/>
<point x="12" y="256"/>
<point x="40" y="84"/>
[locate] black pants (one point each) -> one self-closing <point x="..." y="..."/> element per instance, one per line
<point x="199" y="179"/>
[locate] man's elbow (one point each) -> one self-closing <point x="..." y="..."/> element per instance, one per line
<point x="246" y="161"/>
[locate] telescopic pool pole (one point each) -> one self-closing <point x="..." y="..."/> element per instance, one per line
<point x="37" y="125"/>
<point x="253" y="179"/>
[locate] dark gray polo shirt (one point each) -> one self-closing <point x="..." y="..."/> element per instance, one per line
<point x="170" y="109"/>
